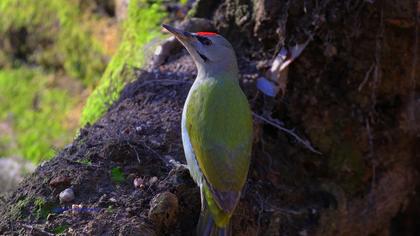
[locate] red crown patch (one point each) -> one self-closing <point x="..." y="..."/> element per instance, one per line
<point x="206" y="33"/>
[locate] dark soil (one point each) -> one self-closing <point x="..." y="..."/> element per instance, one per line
<point x="139" y="136"/>
<point x="357" y="117"/>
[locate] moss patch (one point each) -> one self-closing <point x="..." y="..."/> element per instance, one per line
<point x="117" y="175"/>
<point x="346" y="162"/>
<point x="19" y="210"/>
<point x="48" y="51"/>
<point x="60" y="229"/>
<point x="22" y="209"/>
<point x="42" y="208"/>
<point x="52" y="34"/>
<point x="36" y="111"/>
<point x="141" y="26"/>
<point x="85" y="162"/>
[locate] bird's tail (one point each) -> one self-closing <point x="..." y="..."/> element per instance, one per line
<point x="207" y="227"/>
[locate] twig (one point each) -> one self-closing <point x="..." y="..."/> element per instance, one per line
<point x="378" y="51"/>
<point x="377" y="74"/>
<point x="150" y="149"/>
<point x="36" y="231"/>
<point x="261" y="202"/>
<point x="412" y="118"/>
<point x="366" y="78"/>
<point x="276" y="124"/>
<point x="371" y="152"/>
<point x="134" y="149"/>
<point x="370" y="138"/>
<point x="77" y="162"/>
<point x="166" y="82"/>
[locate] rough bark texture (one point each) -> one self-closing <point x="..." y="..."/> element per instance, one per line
<point x="353" y="93"/>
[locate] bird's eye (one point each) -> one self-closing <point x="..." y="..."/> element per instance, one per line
<point x="203" y="40"/>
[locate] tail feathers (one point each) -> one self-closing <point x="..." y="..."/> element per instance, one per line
<point x="207" y="227"/>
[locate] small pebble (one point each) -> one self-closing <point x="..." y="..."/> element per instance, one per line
<point x="112" y="200"/>
<point x="60" y="180"/>
<point x="138" y="182"/>
<point x="67" y="195"/>
<point x="153" y="180"/>
<point x="164" y="209"/>
<point x="303" y="233"/>
<point x="76" y="208"/>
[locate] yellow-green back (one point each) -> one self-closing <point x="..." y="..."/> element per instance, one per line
<point x="219" y="124"/>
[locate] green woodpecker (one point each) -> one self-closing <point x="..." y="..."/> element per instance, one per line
<point x="216" y="129"/>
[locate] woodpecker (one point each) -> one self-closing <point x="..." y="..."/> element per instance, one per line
<point x="216" y="129"/>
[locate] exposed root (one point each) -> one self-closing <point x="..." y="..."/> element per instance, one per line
<point x="277" y="124"/>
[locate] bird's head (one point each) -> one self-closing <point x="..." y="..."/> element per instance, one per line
<point x="211" y="52"/>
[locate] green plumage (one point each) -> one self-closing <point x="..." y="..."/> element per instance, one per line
<point x="219" y="125"/>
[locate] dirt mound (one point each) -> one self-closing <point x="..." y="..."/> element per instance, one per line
<point x="138" y="138"/>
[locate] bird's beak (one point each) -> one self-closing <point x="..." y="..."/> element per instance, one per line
<point x="183" y="36"/>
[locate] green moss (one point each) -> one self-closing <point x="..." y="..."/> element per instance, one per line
<point x="117" y="175"/>
<point x="347" y="163"/>
<point x="109" y="209"/>
<point x="141" y="26"/>
<point x="85" y="162"/>
<point x="36" y="112"/>
<point x="5" y="143"/>
<point x="42" y="208"/>
<point x="37" y="207"/>
<point x="60" y="229"/>
<point x="18" y="211"/>
<point x="55" y="36"/>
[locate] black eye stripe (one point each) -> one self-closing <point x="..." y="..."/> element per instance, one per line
<point x="203" y="40"/>
<point x="203" y="57"/>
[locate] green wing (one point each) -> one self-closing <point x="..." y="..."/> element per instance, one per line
<point x="219" y="125"/>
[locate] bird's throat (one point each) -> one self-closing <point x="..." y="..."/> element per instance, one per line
<point x="218" y="72"/>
